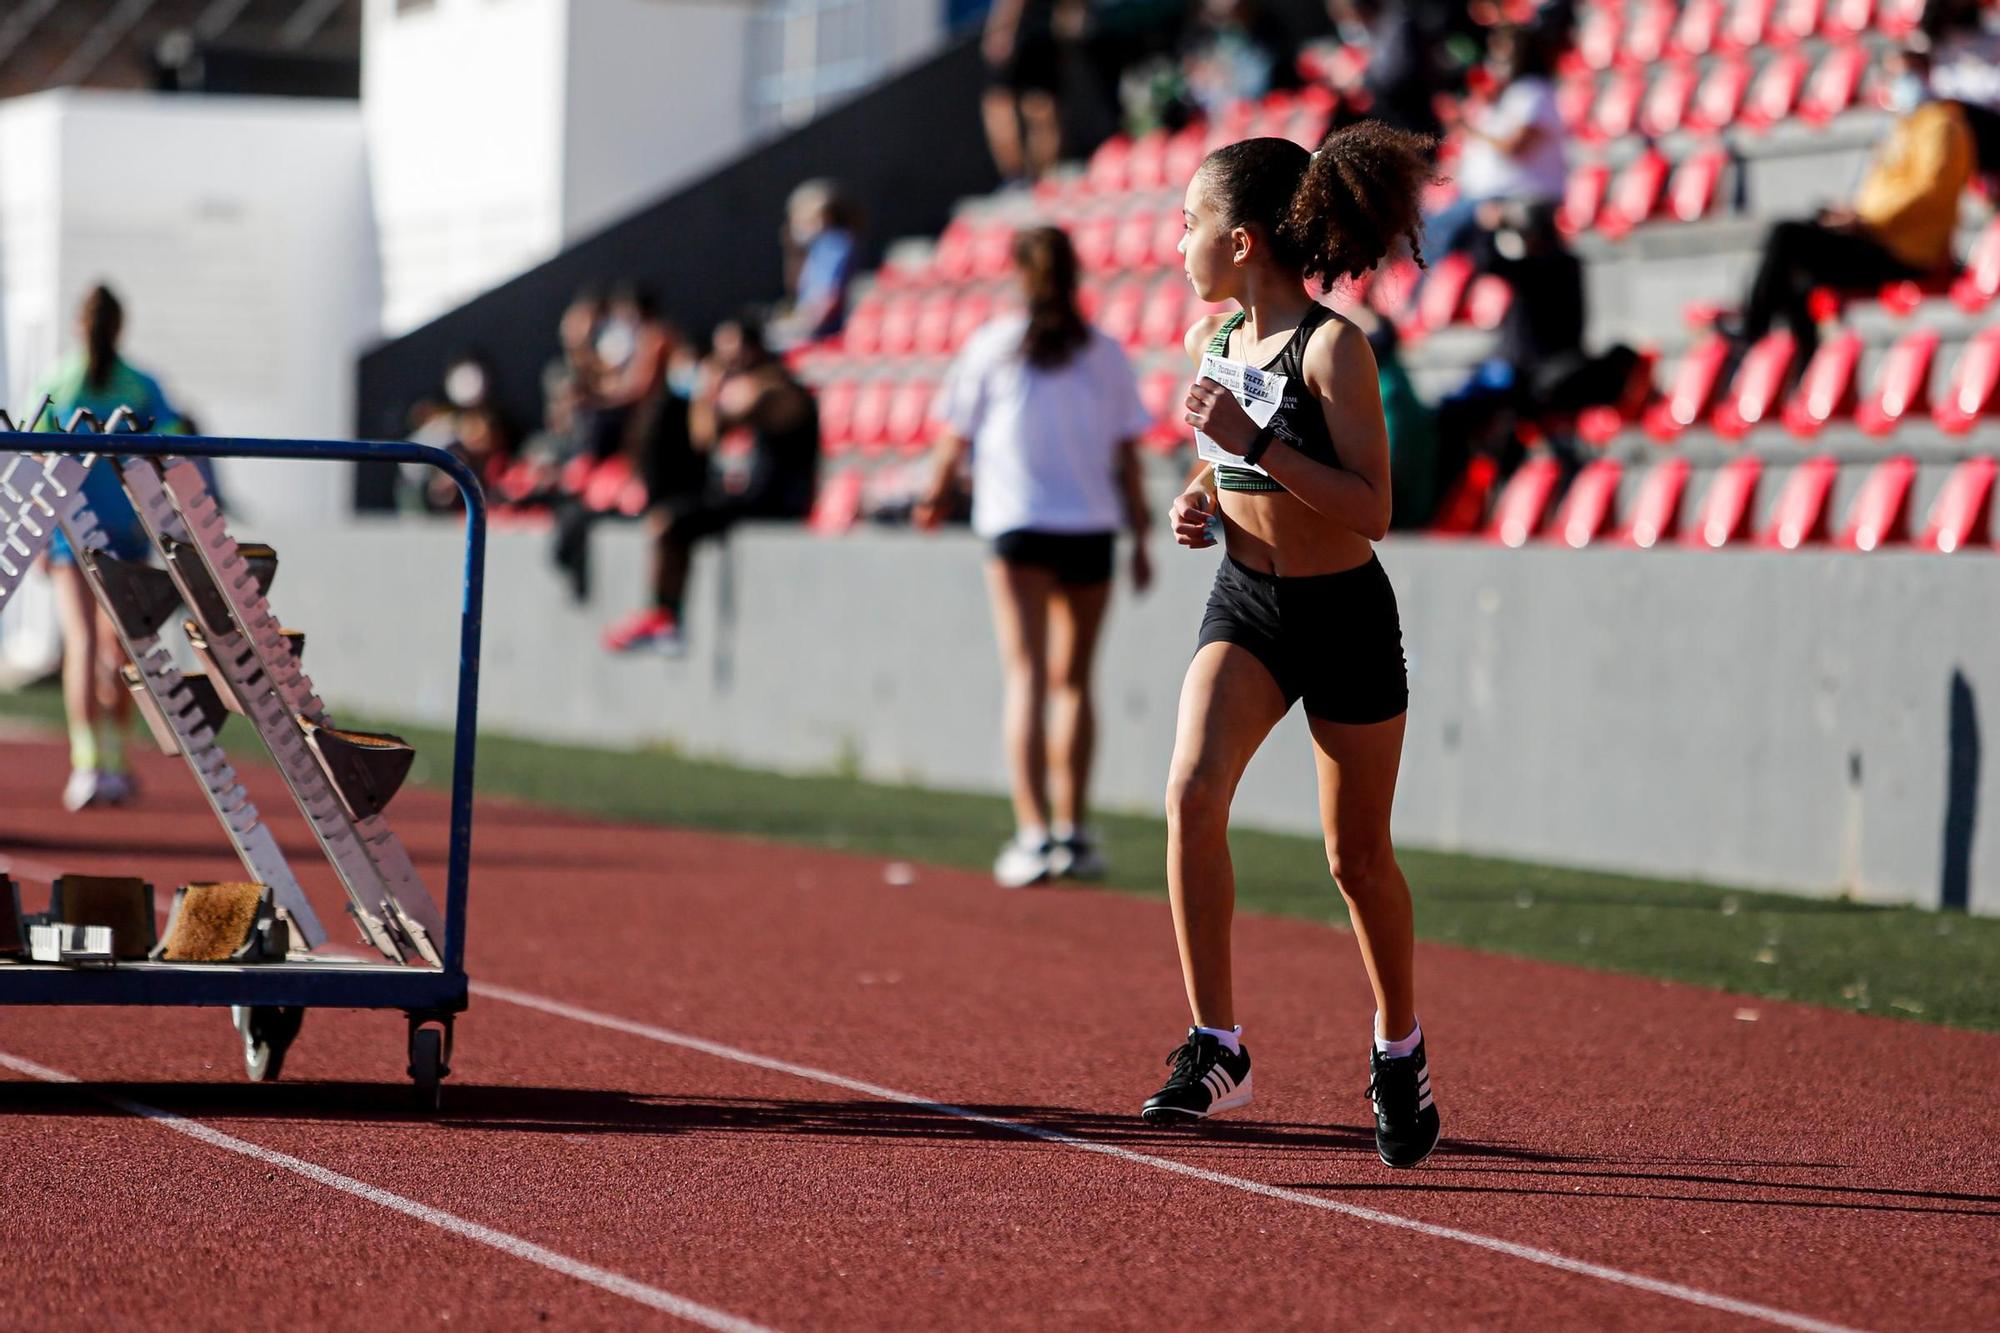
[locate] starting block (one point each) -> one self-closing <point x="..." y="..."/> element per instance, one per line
<point x="13" y="936"/>
<point x="367" y="768"/>
<point x="121" y="904"/>
<point x="224" y="923"/>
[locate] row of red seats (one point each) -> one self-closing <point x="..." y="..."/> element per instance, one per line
<point x="1828" y="390"/>
<point x="1647" y="188"/>
<point x="1659" y="100"/>
<point x="1161" y="160"/>
<point x="1644" y="32"/>
<point x="1725" y="516"/>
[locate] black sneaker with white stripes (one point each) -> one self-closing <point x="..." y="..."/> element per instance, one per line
<point x="1406" y="1117"/>
<point x="1208" y="1077"/>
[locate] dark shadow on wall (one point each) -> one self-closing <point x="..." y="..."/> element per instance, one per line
<point x="1961" y="805"/>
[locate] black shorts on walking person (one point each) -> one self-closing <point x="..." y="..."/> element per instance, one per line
<point x="1334" y="640"/>
<point x="1077" y="559"/>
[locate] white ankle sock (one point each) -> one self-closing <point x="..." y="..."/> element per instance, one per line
<point x="1231" y="1038"/>
<point x="1402" y="1047"/>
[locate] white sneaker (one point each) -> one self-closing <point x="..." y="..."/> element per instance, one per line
<point x="82" y="789"/>
<point x="1022" y="861"/>
<point x="1076" y="857"/>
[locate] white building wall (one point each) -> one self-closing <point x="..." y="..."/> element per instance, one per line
<point x="235" y="231"/>
<point x="463" y="105"/>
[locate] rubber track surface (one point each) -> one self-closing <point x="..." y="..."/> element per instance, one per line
<point x="1842" y="1168"/>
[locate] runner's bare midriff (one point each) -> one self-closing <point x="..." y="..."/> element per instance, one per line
<point x="1275" y="532"/>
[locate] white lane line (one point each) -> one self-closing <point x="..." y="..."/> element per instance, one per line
<point x="615" y="1283"/>
<point x="1546" y="1258"/>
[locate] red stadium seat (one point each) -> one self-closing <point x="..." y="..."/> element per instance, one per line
<point x="1487" y="301"/>
<point x="968" y="312"/>
<point x="1617" y="107"/>
<point x="1720" y="97"/>
<point x="1132" y="243"/>
<point x="1167" y="232"/>
<point x="1524" y="501"/>
<point x="1162" y="392"/>
<point x="1775" y="94"/>
<point x="1586" y="510"/>
<point x="1847" y="19"/>
<point x="1598" y="38"/>
<point x="1899" y="18"/>
<point x="1118" y="316"/>
<point x="604" y="489"/>
<point x="861" y="335"/>
<point x="1443" y="293"/>
<point x="1575" y="96"/>
<point x="837" y="506"/>
<point x="1975" y="288"/>
<point x="1881" y="513"/>
<point x="1834" y="84"/>
<point x="1696" y="381"/>
<point x="1649" y="31"/>
<point x="836" y="417"/>
<point x="1902" y="385"/>
<point x="1464" y="504"/>
<point x="1753" y="395"/>
<point x="1691" y="192"/>
<point x="1724" y="514"/>
<point x="1666" y="103"/>
<point x="952" y="261"/>
<point x="1146" y="165"/>
<point x="933" y="330"/>
<point x="1635" y="195"/>
<point x="1743" y="29"/>
<point x="1700" y="24"/>
<point x="1973" y="380"/>
<point x="1801" y="514"/>
<point x="1110" y="170"/>
<point x="1795" y="21"/>
<point x="909" y="423"/>
<point x="1583" y="197"/>
<point x="1394" y="290"/>
<point x="899" y="325"/>
<point x="1962" y="513"/>
<point x="1094" y="238"/>
<point x="993" y="250"/>
<point x="1827" y="389"/>
<point x="870" y="428"/>
<point x="1656" y="509"/>
<point x="1160" y="323"/>
<point x="1185" y="150"/>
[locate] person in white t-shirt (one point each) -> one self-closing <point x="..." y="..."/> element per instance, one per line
<point x="1048" y="409"/>
<point x="1512" y="147"/>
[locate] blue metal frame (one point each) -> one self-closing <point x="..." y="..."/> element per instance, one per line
<point x="335" y="985"/>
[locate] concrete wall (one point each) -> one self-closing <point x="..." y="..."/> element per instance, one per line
<point x="1810" y="723"/>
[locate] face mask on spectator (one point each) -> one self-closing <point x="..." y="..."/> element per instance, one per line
<point x="465" y="385"/>
<point x="616" y="341"/>
<point x="1907" y="93"/>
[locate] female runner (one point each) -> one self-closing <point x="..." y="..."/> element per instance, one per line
<point x="1301" y="608"/>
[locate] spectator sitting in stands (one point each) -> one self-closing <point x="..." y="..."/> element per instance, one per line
<point x="1513" y="145"/>
<point x="743" y="387"/>
<point x="819" y="256"/>
<point x="1235" y="51"/>
<point x="1024" y="59"/>
<point x="1899" y="226"/>
<point x="1408" y="48"/>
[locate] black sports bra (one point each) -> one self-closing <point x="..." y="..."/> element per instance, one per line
<point x="1299" y="422"/>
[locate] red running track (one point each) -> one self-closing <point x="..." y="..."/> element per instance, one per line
<point x="676" y="1096"/>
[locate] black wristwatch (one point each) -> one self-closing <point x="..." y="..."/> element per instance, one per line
<point x="1258" y="444"/>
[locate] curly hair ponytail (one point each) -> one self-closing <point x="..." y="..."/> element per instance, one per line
<point x="1332" y="214"/>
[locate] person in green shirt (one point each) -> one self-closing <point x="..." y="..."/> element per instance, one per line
<point x="98" y="704"/>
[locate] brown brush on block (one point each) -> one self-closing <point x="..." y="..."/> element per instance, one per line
<point x="211" y="922"/>
<point x="122" y="903"/>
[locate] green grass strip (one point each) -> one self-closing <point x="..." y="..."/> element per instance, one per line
<point x="1901" y="962"/>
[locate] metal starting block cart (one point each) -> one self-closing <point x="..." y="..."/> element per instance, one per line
<point x="209" y="591"/>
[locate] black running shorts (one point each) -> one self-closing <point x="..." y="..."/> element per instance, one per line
<point x="1077" y="559"/>
<point x="1333" y="640"/>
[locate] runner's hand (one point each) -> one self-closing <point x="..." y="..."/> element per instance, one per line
<point x="1214" y="411"/>
<point x="1189" y="518"/>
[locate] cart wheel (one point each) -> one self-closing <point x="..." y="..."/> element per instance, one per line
<point x="430" y="1056"/>
<point x="267" y="1032"/>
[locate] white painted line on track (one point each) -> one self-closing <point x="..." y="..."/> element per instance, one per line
<point x="616" y="1283"/>
<point x="1546" y="1258"/>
